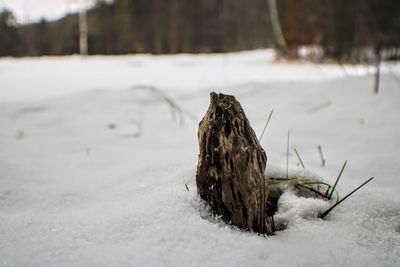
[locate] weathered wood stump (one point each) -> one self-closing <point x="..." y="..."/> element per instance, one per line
<point x="230" y="172"/>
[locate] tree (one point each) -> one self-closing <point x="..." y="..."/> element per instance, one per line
<point x="9" y="37"/>
<point x="276" y="26"/>
<point x="339" y="34"/>
<point x="43" y="37"/>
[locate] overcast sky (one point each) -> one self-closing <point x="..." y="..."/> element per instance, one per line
<point x="34" y="10"/>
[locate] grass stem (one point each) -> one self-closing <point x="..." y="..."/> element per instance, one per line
<point x="266" y="124"/>
<point x="287" y="154"/>
<point x="298" y="156"/>
<point x="322" y="156"/>
<point x="337" y="180"/>
<point x="325" y="213"/>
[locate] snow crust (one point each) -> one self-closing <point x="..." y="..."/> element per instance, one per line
<point x="93" y="166"/>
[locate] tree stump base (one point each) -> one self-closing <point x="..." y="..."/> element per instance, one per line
<point x="231" y="167"/>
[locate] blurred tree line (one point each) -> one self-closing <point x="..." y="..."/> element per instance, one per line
<point x="342" y="29"/>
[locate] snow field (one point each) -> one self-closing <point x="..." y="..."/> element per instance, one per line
<point x="93" y="167"/>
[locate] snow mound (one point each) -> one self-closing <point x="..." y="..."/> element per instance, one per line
<point x="292" y="208"/>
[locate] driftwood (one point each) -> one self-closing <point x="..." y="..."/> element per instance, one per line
<point x="230" y="172"/>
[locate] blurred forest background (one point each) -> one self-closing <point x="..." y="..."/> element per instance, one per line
<point x="351" y="31"/>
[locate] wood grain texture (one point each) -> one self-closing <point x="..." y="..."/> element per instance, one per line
<point x="230" y="172"/>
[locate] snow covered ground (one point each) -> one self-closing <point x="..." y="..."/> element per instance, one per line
<point x="93" y="163"/>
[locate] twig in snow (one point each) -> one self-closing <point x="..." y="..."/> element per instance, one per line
<point x="325" y="213"/>
<point x="337" y="180"/>
<point x="298" y="156"/>
<point x="266" y="124"/>
<point x="321" y="156"/>
<point x="319" y="107"/>
<point x="187" y="188"/>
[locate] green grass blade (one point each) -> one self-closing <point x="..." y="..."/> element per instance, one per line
<point x="337" y="180"/>
<point x="323" y="215"/>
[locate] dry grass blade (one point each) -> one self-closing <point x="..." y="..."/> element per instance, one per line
<point x="298" y="156"/>
<point x="321" y="156"/>
<point x="328" y="187"/>
<point x="266" y="124"/>
<point x="337" y="180"/>
<point x="325" y="213"/>
<point x="316" y="192"/>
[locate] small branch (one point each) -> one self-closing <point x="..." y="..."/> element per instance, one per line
<point x="298" y="156"/>
<point x="187" y="188"/>
<point x="321" y="156"/>
<point x="325" y="213"/>
<point x="266" y="124"/>
<point x="337" y="180"/>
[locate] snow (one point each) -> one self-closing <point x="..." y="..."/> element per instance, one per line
<point x="94" y="165"/>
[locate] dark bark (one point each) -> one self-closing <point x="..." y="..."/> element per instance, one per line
<point x="230" y="171"/>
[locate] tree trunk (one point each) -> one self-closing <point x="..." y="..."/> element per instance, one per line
<point x="276" y="27"/>
<point x="230" y="172"/>
<point x="83" y="33"/>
